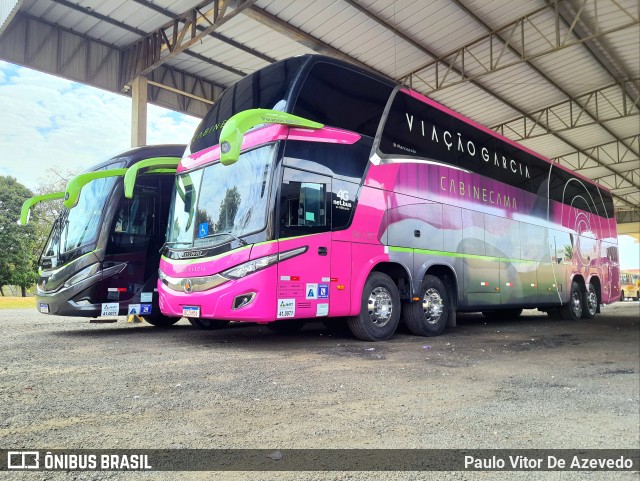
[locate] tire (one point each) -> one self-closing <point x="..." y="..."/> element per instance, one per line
<point x="637" y="298"/>
<point x="379" y="310"/>
<point x="502" y="314"/>
<point x="161" y="320"/>
<point x="208" y="324"/>
<point x="572" y="310"/>
<point x="429" y="316"/>
<point x="590" y="302"/>
<point x="286" y="327"/>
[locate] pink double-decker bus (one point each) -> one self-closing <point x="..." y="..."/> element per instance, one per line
<point x="316" y="189"/>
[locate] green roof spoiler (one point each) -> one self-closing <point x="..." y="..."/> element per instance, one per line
<point x="157" y="165"/>
<point x="235" y="128"/>
<point x="25" y="213"/>
<point x="75" y="185"/>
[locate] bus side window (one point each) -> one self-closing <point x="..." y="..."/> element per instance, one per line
<point x="304" y="203"/>
<point x="136" y="216"/>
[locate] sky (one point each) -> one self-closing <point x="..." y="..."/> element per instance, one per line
<point x="49" y="122"/>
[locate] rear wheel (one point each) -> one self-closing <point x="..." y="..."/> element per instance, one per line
<point x="379" y="310"/>
<point x="208" y="324"/>
<point x="590" y="307"/>
<point x="502" y="314"/>
<point x="572" y="310"/>
<point x="428" y="316"/>
<point x="160" y="320"/>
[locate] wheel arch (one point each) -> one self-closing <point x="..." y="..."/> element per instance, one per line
<point x="447" y="274"/>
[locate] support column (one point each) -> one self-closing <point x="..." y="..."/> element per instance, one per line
<point x="139" y="111"/>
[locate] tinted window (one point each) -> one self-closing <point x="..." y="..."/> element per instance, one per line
<point x="348" y="161"/>
<point x="570" y="190"/>
<point x="304" y="203"/>
<point x="267" y="88"/>
<point x="343" y="98"/>
<point x="417" y="129"/>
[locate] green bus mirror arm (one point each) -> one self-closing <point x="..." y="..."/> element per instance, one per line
<point x="75" y="185"/>
<point x="25" y="213"/>
<point x="155" y="165"/>
<point x="235" y="128"/>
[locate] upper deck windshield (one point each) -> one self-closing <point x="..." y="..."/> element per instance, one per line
<point x="267" y="88"/>
<point x="217" y="200"/>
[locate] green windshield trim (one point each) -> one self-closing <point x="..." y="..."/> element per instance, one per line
<point x="25" y="213"/>
<point x="75" y="185"/>
<point x="155" y="165"/>
<point x="235" y="128"/>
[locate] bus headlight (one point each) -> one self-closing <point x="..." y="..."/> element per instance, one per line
<point x="256" y="265"/>
<point x="82" y="275"/>
<point x="250" y="267"/>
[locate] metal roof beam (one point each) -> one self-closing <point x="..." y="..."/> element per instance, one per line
<point x="456" y="70"/>
<point x="299" y="36"/>
<point x="530" y="35"/>
<point x="17" y="46"/>
<point x="607" y="103"/>
<point x="217" y="36"/>
<point x="613" y="153"/>
<point x="598" y="47"/>
<point x="142" y="33"/>
<point x="176" y="36"/>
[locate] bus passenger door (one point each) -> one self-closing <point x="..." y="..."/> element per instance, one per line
<point x="305" y="222"/>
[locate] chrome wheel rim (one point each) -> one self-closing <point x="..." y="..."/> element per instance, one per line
<point x="432" y="306"/>
<point x="380" y="306"/>
<point x="592" y="301"/>
<point x="576" y="304"/>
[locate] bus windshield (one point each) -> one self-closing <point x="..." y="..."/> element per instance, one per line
<point x="219" y="199"/>
<point x="80" y="225"/>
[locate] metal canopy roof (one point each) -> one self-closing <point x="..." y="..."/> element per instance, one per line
<point x="562" y="78"/>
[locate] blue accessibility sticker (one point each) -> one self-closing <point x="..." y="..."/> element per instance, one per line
<point x="203" y="230"/>
<point x="145" y="309"/>
<point x="323" y="291"/>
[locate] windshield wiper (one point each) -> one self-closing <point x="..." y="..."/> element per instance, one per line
<point x="242" y="242"/>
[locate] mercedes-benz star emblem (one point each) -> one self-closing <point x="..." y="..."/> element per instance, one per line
<point x="188" y="286"/>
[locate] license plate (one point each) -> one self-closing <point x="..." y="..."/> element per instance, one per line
<point x="44" y="308"/>
<point x="191" y="311"/>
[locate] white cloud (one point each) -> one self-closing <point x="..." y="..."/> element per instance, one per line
<point x="49" y="122"/>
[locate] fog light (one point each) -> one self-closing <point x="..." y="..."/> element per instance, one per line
<point x="243" y="300"/>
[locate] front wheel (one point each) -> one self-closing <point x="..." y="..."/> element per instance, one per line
<point x="572" y="310"/>
<point x="161" y="320"/>
<point x="429" y="316"/>
<point x="208" y="324"/>
<point x="379" y="311"/>
<point x="590" y="303"/>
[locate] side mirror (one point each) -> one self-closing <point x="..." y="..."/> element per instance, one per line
<point x="155" y="165"/>
<point x="75" y="185"/>
<point x="234" y="129"/>
<point x="25" y="213"/>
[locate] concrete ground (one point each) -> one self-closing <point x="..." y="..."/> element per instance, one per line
<point x="530" y="382"/>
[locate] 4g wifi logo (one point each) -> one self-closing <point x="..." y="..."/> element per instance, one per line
<point x="23" y="460"/>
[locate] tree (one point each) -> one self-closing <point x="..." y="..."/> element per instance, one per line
<point x="18" y="244"/>
<point x="228" y="210"/>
